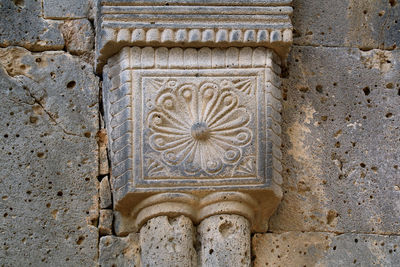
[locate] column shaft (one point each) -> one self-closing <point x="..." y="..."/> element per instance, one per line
<point x="225" y="241"/>
<point x="168" y="242"/>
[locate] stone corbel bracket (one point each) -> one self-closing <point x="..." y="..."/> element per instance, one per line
<point x="192" y="107"/>
<point x="192" y="23"/>
<point x="154" y="145"/>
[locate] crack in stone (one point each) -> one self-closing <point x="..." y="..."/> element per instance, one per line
<point x="38" y="102"/>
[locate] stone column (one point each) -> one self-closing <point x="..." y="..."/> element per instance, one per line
<point x="224" y="241"/>
<point x="168" y="242"/>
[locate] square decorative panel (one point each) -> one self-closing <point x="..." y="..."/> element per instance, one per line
<point x="199" y="128"/>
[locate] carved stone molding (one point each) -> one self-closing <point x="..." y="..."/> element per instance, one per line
<point x="191" y="122"/>
<point x="199" y="207"/>
<point x="192" y="23"/>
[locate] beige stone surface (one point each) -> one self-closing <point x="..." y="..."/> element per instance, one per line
<point x="168" y="242"/>
<point x="340" y="141"/>
<point x="290" y="249"/>
<point x="105" y="222"/>
<point x="49" y="159"/>
<point x="119" y="251"/>
<point x="79" y="36"/>
<point x="123" y="224"/>
<point x="325" y="249"/>
<point x="348" y="23"/>
<point x="105" y="194"/>
<point x="224" y="240"/>
<point x="103" y="156"/>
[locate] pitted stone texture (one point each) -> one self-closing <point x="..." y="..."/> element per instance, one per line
<point x="23" y="25"/>
<point x="363" y="250"/>
<point x="290" y="249"/>
<point x="105" y="222"/>
<point x="48" y="185"/>
<point x="123" y="225"/>
<point x="325" y="249"/>
<point x="341" y="136"/>
<point x="168" y="242"/>
<point x="119" y="251"/>
<point x="103" y="157"/>
<point x="105" y="194"/>
<point x="71" y="9"/>
<point x="364" y="24"/>
<point x="78" y="35"/>
<point x="224" y="241"/>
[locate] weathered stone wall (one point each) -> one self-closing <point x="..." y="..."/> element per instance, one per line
<point x="341" y="129"/>
<point x="341" y="145"/>
<point x="49" y="110"/>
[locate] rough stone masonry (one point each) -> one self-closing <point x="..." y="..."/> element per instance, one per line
<point x="340" y="147"/>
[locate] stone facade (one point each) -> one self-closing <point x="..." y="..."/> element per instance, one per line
<point x="331" y="179"/>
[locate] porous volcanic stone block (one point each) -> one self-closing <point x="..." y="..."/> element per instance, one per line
<point x="105" y="194"/>
<point x="325" y="249"/>
<point x="78" y="35"/>
<point x="122" y="225"/>
<point x="290" y="249"/>
<point x="224" y="241"/>
<point x="341" y="141"/>
<point x="61" y="9"/>
<point x="364" y="24"/>
<point x="103" y="157"/>
<point x="168" y="242"/>
<point x="119" y="251"/>
<point x="23" y="25"/>
<point x="48" y="181"/>
<point x="105" y="222"/>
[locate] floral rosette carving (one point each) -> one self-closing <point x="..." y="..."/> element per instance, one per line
<point x="200" y="128"/>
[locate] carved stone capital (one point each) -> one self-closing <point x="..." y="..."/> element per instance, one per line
<point x="197" y="208"/>
<point x="192" y="106"/>
<point x="195" y="121"/>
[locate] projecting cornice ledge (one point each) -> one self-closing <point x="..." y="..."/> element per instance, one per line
<point x="192" y="23"/>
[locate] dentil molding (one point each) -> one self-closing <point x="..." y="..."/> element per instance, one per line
<point x="192" y="23"/>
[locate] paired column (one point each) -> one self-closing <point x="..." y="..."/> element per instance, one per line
<point x="179" y="229"/>
<point x="221" y="240"/>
